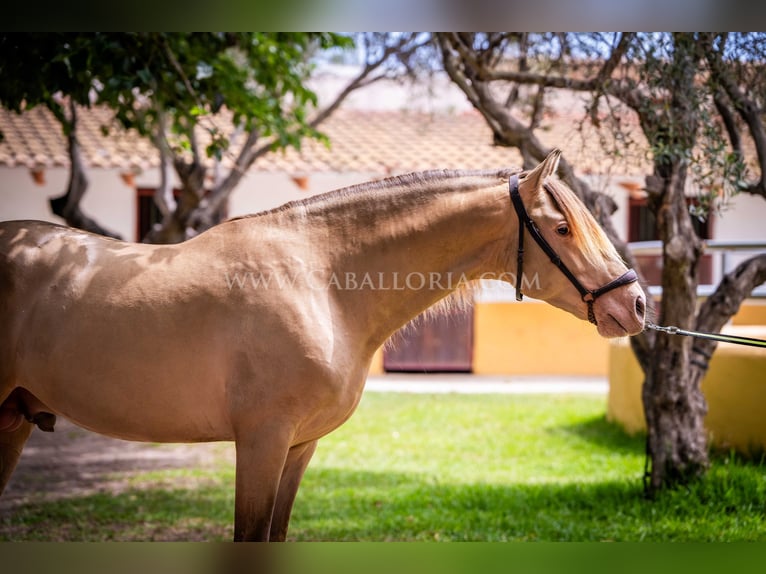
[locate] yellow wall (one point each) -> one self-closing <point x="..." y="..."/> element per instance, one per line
<point x="752" y="312"/>
<point x="734" y="388"/>
<point x="532" y="338"/>
<point x="376" y="368"/>
<point x="625" y="379"/>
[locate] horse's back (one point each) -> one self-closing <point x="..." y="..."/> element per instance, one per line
<point x="29" y="254"/>
<point x="88" y="323"/>
<point x="21" y="243"/>
<point x="36" y="257"/>
<point x="26" y="247"/>
<point x="109" y="333"/>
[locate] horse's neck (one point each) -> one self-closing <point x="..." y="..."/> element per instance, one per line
<point x="396" y="252"/>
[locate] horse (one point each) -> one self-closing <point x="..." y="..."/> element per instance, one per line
<point x="261" y="330"/>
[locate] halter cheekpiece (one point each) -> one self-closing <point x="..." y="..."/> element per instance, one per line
<point x="588" y="295"/>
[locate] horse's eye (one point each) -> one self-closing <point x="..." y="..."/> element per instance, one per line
<point x="563" y="229"/>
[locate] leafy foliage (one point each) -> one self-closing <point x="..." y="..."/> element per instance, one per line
<point x="193" y="95"/>
<point x="258" y="77"/>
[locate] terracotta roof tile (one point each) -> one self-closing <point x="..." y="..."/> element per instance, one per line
<point x="384" y="142"/>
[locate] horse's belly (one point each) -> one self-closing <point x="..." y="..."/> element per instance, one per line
<point x="130" y="383"/>
<point x="140" y="425"/>
<point x="187" y="412"/>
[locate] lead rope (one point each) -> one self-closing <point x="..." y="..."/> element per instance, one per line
<point x="737" y="340"/>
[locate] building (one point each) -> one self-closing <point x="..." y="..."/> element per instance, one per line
<point x="376" y="135"/>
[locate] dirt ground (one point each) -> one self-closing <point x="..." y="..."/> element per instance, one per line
<point x="74" y="462"/>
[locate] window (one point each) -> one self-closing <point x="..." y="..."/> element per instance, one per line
<point x="148" y="212"/>
<point x="642" y="226"/>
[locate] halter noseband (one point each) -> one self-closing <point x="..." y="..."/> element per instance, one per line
<point x="588" y="295"/>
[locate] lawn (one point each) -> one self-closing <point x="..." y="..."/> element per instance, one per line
<point x="438" y="468"/>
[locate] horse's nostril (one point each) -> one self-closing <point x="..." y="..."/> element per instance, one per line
<point x="640" y="307"/>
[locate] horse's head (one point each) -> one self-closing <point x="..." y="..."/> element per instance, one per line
<point x="591" y="281"/>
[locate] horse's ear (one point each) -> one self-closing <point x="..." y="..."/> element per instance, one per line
<point x="547" y="167"/>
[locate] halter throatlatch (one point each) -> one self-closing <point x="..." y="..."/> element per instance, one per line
<point x="588" y="295"/>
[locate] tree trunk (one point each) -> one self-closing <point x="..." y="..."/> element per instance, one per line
<point x="67" y="206"/>
<point x="180" y="224"/>
<point x="674" y="406"/>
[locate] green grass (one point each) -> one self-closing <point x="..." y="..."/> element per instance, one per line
<point x="441" y="467"/>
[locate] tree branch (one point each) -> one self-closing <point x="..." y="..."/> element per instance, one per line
<point x="545" y="80"/>
<point x="614" y="59"/>
<point x="747" y="109"/>
<point x="163" y="195"/>
<point x="250" y="150"/>
<point x="175" y="64"/>
<point x="733" y="289"/>
<point x="538" y="108"/>
<point x="729" y="121"/>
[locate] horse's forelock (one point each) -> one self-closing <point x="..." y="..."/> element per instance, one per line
<point x="588" y="236"/>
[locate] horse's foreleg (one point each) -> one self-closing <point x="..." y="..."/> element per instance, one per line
<point x="261" y="456"/>
<point x="297" y="460"/>
<point x="11" y="445"/>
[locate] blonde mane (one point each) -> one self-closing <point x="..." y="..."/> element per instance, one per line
<point x="587" y="234"/>
<point x="370" y="190"/>
<point x="460" y="299"/>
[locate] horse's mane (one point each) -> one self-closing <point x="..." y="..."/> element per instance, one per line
<point x="369" y="189"/>
<point x="459" y="300"/>
<point x="587" y="234"/>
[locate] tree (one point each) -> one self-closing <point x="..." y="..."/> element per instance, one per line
<point x="196" y="96"/>
<point x="696" y="97"/>
<point x="55" y="71"/>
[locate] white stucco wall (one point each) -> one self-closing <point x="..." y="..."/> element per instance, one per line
<point x="610" y="185"/>
<point x="21" y="198"/>
<point x="108" y="200"/>
<point x="113" y="203"/>
<point x="745" y="219"/>
<point x="260" y="191"/>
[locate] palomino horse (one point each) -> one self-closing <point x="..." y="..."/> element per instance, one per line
<point x="261" y="330"/>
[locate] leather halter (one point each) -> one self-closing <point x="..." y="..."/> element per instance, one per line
<point x="588" y="295"/>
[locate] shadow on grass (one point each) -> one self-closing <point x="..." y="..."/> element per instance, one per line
<point x="358" y="505"/>
<point x="133" y="515"/>
<point x="605" y="434"/>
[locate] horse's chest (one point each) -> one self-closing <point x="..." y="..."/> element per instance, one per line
<point x="310" y="407"/>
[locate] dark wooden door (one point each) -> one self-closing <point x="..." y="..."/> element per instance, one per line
<point x="441" y="343"/>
